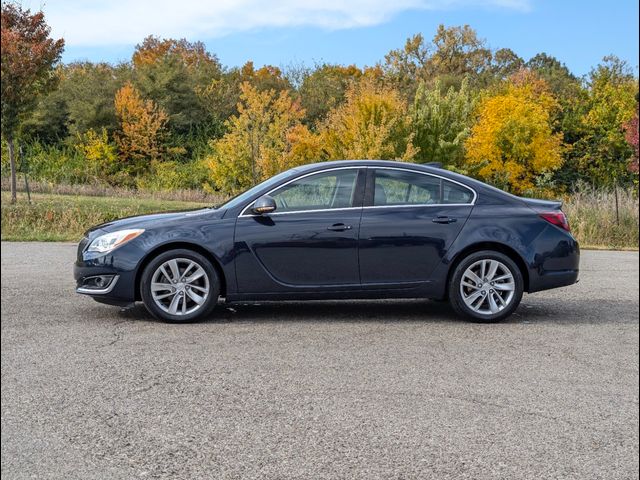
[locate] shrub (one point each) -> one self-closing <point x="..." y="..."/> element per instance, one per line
<point x="174" y="175"/>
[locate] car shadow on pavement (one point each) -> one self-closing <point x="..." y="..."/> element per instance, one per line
<point x="415" y="310"/>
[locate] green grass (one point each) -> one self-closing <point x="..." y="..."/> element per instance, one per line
<point x="67" y="217"/>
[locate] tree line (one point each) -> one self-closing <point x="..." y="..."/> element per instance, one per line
<point x="175" y="117"/>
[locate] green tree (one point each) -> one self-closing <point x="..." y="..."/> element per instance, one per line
<point x="454" y="53"/>
<point x="171" y="73"/>
<point x="602" y="150"/>
<point x="567" y="120"/>
<point x="28" y="59"/>
<point x="325" y="88"/>
<point x="631" y="136"/>
<point x="560" y="80"/>
<point x="87" y="89"/>
<point x="441" y="122"/>
<point x="505" y="63"/>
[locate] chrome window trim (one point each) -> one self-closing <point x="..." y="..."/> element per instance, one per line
<point x="422" y="205"/>
<point x="242" y="214"/>
<point x="472" y="203"/>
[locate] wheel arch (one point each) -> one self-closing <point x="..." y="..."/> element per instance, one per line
<point x="175" y="246"/>
<point x="497" y="247"/>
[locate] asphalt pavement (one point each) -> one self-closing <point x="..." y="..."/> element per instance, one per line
<point x="363" y="390"/>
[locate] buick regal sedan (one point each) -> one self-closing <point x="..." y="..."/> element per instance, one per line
<point x="337" y="230"/>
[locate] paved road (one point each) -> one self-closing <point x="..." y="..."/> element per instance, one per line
<point x="324" y="390"/>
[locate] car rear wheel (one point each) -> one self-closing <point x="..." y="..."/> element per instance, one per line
<point x="180" y="286"/>
<point x="486" y="286"/>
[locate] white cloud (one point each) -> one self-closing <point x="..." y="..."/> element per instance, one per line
<point x="125" y="22"/>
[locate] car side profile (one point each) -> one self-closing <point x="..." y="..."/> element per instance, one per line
<point x="337" y="230"/>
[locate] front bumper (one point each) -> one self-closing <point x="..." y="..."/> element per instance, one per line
<point x="122" y="264"/>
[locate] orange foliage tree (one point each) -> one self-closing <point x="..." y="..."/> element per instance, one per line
<point x="142" y="129"/>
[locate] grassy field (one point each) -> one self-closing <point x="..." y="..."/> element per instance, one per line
<point x="592" y="216"/>
<point x="66" y="217"/>
<point x="56" y="217"/>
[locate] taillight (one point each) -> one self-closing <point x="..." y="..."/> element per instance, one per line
<point x="559" y="219"/>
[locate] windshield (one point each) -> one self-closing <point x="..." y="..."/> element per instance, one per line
<point x="243" y="197"/>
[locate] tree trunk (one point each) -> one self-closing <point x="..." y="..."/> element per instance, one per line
<point x="617" y="205"/>
<point x="12" y="161"/>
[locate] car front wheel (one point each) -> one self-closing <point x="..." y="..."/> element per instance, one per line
<point x="180" y="286"/>
<point x="486" y="286"/>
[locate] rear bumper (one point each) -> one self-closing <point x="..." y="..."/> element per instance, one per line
<point x="554" y="279"/>
<point x="557" y="265"/>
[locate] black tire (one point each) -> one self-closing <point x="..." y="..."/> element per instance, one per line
<point x="455" y="295"/>
<point x="203" y="310"/>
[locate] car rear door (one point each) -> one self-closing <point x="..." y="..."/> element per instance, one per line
<point x="409" y="220"/>
<point x="311" y="240"/>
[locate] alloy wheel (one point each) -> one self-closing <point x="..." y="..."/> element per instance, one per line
<point x="487" y="287"/>
<point x="180" y="286"/>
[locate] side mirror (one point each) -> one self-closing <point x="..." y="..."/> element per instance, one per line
<point x="265" y="204"/>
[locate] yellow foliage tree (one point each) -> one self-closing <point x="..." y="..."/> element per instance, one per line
<point x="512" y="142"/>
<point x="101" y="154"/>
<point x="142" y="128"/>
<point x="373" y="123"/>
<point x="258" y="144"/>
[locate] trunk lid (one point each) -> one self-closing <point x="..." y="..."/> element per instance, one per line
<point x="543" y="205"/>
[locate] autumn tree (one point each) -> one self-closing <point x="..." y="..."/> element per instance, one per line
<point x="505" y="63"/>
<point x="171" y="73"/>
<point x="28" y="56"/>
<point x="512" y="142"/>
<point x="453" y="54"/>
<point x="257" y="143"/>
<point x="372" y="123"/>
<point x="324" y="88"/>
<point x="221" y="95"/>
<point x="561" y="81"/>
<point x="101" y="154"/>
<point x="441" y="122"/>
<point x="142" y="127"/>
<point x="459" y="53"/>
<point x="631" y="135"/>
<point x="193" y="55"/>
<point x="602" y="150"/>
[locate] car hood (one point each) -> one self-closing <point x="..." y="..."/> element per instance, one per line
<point x="155" y="220"/>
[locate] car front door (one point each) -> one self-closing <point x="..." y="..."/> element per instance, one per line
<point x="310" y="240"/>
<point x="409" y="221"/>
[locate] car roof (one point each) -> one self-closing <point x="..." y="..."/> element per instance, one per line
<point x="366" y="163"/>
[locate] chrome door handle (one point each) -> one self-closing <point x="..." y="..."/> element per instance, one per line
<point x="339" y="227"/>
<point x="444" y="220"/>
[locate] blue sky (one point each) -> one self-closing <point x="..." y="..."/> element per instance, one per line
<point x="281" y="32"/>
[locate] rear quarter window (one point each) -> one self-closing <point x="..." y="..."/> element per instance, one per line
<point x="452" y="193"/>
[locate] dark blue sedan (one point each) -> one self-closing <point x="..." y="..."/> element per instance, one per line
<point x="336" y="230"/>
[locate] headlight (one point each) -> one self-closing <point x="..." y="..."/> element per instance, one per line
<point x="111" y="241"/>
